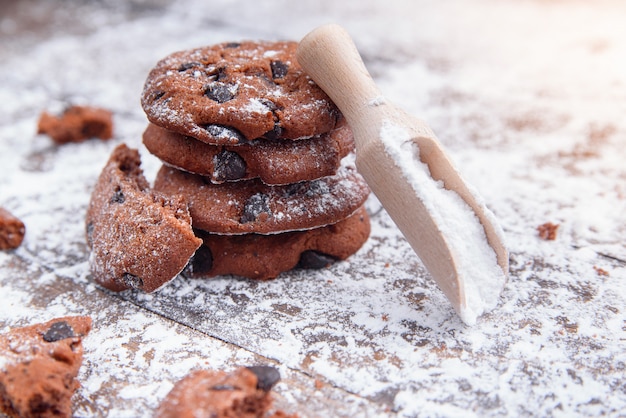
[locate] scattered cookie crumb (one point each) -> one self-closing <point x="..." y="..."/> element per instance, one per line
<point x="39" y="365"/>
<point x="12" y="230"/>
<point x="318" y="384"/>
<point x="76" y="124"/>
<point x="547" y="231"/>
<point x="601" y="271"/>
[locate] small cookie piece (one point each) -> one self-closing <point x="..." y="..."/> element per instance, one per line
<point x="266" y="256"/>
<point x="12" y="230"/>
<point x="138" y="238"/>
<point x="39" y="365"/>
<point x="253" y="207"/>
<point x="235" y="92"/>
<point x="243" y="393"/>
<point x="76" y="124"/>
<point x="275" y="162"/>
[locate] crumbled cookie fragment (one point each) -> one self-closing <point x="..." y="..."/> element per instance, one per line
<point x="138" y="238"/>
<point x="76" y="124"/>
<point x="548" y="231"/>
<point x="243" y="393"/>
<point x="12" y="230"/>
<point x="39" y="365"/>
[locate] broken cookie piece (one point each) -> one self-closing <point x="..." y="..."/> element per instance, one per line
<point x="76" y="124"/>
<point x="39" y="365"/>
<point x="243" y="393"/>
<point x="138" y="237"/>
<point x="12" y="230"/>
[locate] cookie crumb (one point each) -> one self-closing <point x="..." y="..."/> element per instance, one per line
<point x="547" y="231"/>
<point x="12" y="231"/>
<point x="601" y="271"/>
<point x="76" y="124"/>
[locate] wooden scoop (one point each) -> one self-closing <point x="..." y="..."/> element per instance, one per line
<point x="444" y="220"/>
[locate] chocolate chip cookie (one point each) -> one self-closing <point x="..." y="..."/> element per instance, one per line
<point x="231" y="93"/>
<point x="254" y="207"/>
<point x="264" y="257"/>
<point x="273" y="161"/>
<point x="138" y="238"/>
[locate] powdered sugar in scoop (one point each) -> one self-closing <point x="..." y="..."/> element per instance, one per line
<point x="479" y="274"/>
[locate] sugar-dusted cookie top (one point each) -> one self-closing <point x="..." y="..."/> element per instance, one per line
<point x="254" y="207"/>
<point x="235" y="92"/>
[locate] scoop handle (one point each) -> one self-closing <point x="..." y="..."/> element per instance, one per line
<point x="330" y="57"/>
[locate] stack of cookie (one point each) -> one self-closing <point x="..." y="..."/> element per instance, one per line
<point x="258" y="151"/>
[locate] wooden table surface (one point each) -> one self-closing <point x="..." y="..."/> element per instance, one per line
<point x="528" y="97"/>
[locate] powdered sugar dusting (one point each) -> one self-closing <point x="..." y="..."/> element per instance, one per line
<point x="534" y="120"/>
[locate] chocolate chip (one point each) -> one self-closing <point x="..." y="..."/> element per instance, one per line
<point x="188" y="65"/>
<point x="220" y="92"/>
<point x="118" y="196"/>
<point x="222" y="133"/>
<point x="58" y="331"/>
<point x="202" y="261"/>
<point x="232" y="45"/>
<point x="307" y="189"/>
<point x="294" y="189"/>
<point x="157" y="95"/>
<point x="229" y="166"/>
<point x="317" y="188"/>
<point x="267" y="376"/>
<point x="314" y="260"/>
<point x="269" y="104"/>
<point x="275" y="133"/>
<point x="279" y="69"/>
<point x="223" y="387"/>
<point x="132" y="281"/>
<point x="255" y="206"/>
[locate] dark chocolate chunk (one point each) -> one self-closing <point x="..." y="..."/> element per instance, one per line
<point x="132" y="281"/>
<point x="58" y="331"/>
<point x="157" y="95"/>
<point x="314" y="260"/>
<point x="223" y="132"/>
<point x="317" y="188"/>
<point x="269" y="104"/>
<point x="118" y="196"/>
<point x="188" y="65"/>
<point x="256" y="205"/>
<point x="202" y="261"/>
<point x="267" y="376"/>
<point x="232" y="45"/>
<point x="279" y="69"/>
<point x="275" y="133"/>
<point x="220" y="92"/>
<point x="223" y="387"/>
<point x="229" y="166"/>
